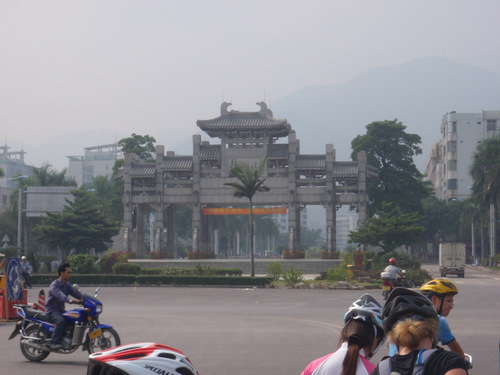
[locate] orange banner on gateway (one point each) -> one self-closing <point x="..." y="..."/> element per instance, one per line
<point x="244" y="211"/>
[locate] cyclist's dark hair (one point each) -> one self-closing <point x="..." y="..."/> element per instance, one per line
<point x="358" y="334"/>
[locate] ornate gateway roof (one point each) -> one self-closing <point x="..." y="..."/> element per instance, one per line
<point x="236" y="124"/>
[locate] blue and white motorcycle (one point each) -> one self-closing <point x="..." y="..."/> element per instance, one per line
<point x="82" y="329"/>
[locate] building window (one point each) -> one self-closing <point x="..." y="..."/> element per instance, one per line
<point x="491" y="125"/>
<point x="452" y="165"/>
<point x="453" y="128"/>
<point x="452" y="146"/>
<point x="452" y="184"/>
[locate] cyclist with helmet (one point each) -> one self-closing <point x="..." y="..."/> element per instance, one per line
<point x="394" y="272"/>
<point x="360" y="339"/>
<point x="143" y="358"/>
<point x="441" y="293"/>
<point x="411" y="322"/>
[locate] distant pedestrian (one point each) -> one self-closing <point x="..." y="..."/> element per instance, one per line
<point x="26" y="271"/>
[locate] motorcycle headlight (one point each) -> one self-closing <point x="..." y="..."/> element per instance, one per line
<point x="98" y="309"/>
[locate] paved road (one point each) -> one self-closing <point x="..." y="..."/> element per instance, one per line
<point x="257" y="331"/>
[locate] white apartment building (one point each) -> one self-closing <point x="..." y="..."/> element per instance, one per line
<point x="449" y="161"/>
<point x="345" y="224"/>
<point x="96" y="161"/>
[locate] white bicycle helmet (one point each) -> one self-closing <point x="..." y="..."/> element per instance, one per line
<point x="140" y="359"/>
<point x="367" y="309"/>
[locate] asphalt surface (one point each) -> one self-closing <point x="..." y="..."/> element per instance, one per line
<point x="257" y="331"/>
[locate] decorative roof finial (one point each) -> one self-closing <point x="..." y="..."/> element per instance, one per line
<point x="263" y="109"/>
<point x="223" y="108"/>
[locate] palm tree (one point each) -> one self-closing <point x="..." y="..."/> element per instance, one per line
<point x="250" y="182"/>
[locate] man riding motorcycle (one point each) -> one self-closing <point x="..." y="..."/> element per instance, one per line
<point x="394" y="272"/>
<point x="58" y="296"/>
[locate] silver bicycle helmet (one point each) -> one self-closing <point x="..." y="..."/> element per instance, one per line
<point x="367" y="309"/>
<point x="140" y="359"/>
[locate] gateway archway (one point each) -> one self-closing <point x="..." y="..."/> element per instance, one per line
<point x="197" y="181"/>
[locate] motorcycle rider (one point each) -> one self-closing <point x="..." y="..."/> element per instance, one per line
<point x="57" y="297"/>
<point x="394" y="272"/>
<point x="441" y="293"/>
<point x="26" y="270"/>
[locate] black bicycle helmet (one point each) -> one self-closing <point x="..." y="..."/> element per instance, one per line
<point x="406" y="303"/>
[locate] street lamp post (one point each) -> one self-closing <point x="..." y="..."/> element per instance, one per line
<point x="19" y="212"/>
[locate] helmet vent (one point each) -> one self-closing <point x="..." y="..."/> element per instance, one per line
<point x="167" y="355"/>
<point x="184" y="371"/>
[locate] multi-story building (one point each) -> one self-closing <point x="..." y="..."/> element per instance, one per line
<point x="96" y="161"/>
<point x="448" y="164"/>
<point x="12" y="164"/>
<point x="346" y="223"/>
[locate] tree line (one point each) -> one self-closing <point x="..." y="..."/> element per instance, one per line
<point x="402" y="209"/>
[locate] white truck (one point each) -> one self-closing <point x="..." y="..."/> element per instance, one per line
<point x="452" y="258"/>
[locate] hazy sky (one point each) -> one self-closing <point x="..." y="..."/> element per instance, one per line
<point x="148" y="66"/>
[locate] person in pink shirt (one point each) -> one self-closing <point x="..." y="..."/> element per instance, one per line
<point x="360" y="339"/>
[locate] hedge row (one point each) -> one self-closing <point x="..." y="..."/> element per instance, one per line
<point x="98" y="279"/>
<point x="190" y="271"/>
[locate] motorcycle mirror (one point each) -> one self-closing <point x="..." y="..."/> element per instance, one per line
<point x="76" y="286"/>
<point x="97" y="291"/>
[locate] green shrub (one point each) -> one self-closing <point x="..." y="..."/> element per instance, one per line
<point x="419" y="277"/>
<point x="339" y="273"/>
<point x="109" y="259"/>
<point x="151" y="271"/>
<point x="126" y="269"/>
<point x="293" y="275"/>
<point x="83" y="263"/>
<point x="274" y="270"/>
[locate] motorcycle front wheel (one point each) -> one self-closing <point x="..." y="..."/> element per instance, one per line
<point x="31" y="353"/>
<point x="108" y="339"/>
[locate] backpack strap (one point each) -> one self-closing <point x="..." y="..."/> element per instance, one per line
<point x="423" y="355"/>
<point x="384" y="367"/>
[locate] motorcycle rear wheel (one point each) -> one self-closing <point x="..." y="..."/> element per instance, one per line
<point x="108" y="339"/>
<point x="33" y="354"/>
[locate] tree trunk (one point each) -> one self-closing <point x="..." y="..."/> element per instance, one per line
<point x="252" y="265"/>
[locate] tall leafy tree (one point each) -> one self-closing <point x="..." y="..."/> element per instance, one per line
<point x="250" y="182"/>
<point x="389" y="229"/>
<point x="485" y="172"/>
<point x="390" y="149"/>
<point x="80" y="226"/>
<point x="46" y="175"/>
<point x="141" y="145"/>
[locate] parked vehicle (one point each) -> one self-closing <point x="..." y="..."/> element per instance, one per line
<point x="388" y="283"/>
<point x="452" y="259"/>
<point x="82" y="329"/>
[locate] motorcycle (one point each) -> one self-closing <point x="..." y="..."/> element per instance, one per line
<point x="82" y="329"/>
<point x="388" y="283"/>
